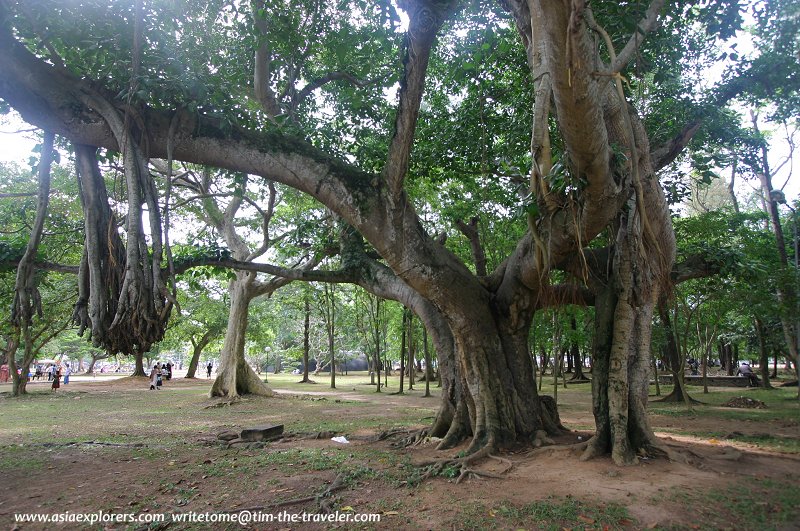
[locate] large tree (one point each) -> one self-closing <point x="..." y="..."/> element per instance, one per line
<point x="291" y="92"/>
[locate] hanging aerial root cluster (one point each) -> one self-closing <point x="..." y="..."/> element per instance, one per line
<point x="123" y="298"/>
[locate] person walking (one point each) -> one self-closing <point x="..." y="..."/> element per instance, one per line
<point x="56" y="380"/>
<point x="208" y="369"/>
<point x="67" y="372"/>
<point x="155" y="377"/>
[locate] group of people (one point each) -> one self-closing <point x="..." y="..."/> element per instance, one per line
<point x="160" y="372"/>
<point x="51" y="370"/>
<point x="54" y="374"/>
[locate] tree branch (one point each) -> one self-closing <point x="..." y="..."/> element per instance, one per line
<point x="263" y="62"/>
<point x="324" y="80"/>
<point x="645" y="26"/>
<point x="478" y="254"/>
<point x="425" y="19"/>
<point x="664" y="155"/>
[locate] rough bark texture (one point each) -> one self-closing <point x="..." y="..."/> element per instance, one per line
<point x="234" y="376"/>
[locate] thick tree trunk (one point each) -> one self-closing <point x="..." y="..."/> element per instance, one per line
<point x="624" y="312"/>
<point x="19" y="381"/>
<point x="138" y="366"/>
<point x="234" y="376"/>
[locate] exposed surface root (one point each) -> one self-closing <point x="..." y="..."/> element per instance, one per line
<point x="593" y="449"/>
<point x="224" y="402"/>
<point x="415" y="438"/>
<point x="388" y="434"/>
<point x="324" y="499"/>
<point x="656" y="448"/>
<point x="558" y="448"/>
<point x="462" y="466"/>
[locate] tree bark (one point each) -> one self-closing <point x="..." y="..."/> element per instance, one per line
<point x="403" y="335"/>
<point x="306" y="335"/>
<point x="197" y="349"/>
<point x="234" y="376"/>
<point x="138" y="364"/>
<point x="763" y="359"/>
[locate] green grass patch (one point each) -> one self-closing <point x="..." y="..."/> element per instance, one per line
<point x="552" y="514"/>
<point x="767" y="441"/>
<point x="758" y="505"/>
<point x="782" y="405"/>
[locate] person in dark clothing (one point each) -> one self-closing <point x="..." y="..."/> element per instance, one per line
<point x="208" y="369"/>
<point x="746" y="371"/>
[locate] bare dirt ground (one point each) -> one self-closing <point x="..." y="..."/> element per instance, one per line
<point x="116" y="447"/>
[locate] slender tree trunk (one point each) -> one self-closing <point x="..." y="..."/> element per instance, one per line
<point x="786" y="293"/>
<point x="427" y="362"/>
<point x="411" y="352"/>
<point x="706" y="345"/>
<point x="332" y="355"/>
<point x="403" y="330"/>
<point x="763" y="362"/>
<point x="775" y="366"/>
<point x="377" y="352"/>
<point x="306" y="335"/>
<point x="27" y="300"/>
<point x="655" y="375"/>
<point x="197" y="349"/>
<point x="90" y="368"/>
<point x="674" y="359"/>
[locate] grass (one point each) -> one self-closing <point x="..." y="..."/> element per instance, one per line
<point x="782" y="404"/>
<point x="759" y="505"/>
<point x="173" y="423"/>
<point x="552" y="514"/>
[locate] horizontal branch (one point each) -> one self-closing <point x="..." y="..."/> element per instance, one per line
<point x="313" y="275"/>
<point x="5" y="196"/>
<point x="666" y="154"/>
